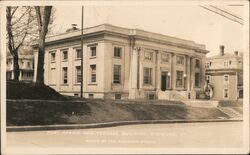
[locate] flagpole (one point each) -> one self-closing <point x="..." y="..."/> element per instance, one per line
<point x="82" y="54"/>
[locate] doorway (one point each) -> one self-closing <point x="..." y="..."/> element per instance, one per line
<point x="164" y="80"/>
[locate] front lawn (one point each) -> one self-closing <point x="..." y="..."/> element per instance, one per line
<point x="73" y="112"/>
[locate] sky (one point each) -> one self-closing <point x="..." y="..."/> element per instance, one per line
<point x="181" y="21"/>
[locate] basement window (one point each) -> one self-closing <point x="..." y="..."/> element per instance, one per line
<point x="151" y="96"/>
<point x="91" y="95"/>
<point x="118" y="96"/>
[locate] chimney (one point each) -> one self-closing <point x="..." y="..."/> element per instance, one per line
<point x="236" y="53"/>
<point x="222" y="50"/>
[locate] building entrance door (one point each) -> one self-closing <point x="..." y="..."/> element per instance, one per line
<point x="164" y="81"/>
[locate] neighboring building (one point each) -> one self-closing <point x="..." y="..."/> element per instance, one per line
<point x="224" y="73"/>
<point x="26" y="66"/>
<point x="122" y="63"/>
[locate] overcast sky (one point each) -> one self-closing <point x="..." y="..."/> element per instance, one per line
<point x="186" y="22"/>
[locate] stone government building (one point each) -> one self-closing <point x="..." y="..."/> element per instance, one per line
<point x="121" y="63"/>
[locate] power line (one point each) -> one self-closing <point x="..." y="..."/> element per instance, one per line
<point x="227" y="12"/>
<point x="223" y="13"/>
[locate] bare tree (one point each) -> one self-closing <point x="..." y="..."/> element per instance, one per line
<point x="19" y="24"/>
<point x="43" y="19"/>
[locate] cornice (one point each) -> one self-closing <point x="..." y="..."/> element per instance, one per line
<point x="126" y="33"/>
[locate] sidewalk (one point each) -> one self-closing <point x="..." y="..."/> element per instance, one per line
<point x="111" y="124"/>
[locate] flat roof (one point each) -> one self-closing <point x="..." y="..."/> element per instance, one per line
<point x="127" y="32"/>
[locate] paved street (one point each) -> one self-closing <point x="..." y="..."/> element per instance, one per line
<point x="220" y="134"/>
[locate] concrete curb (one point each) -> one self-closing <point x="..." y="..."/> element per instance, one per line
<point x="110" y="124"/>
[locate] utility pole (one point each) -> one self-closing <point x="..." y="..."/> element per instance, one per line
<point x="82" y="53"/>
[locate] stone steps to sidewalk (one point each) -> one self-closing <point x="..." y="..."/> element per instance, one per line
<point x="230" y="112"/>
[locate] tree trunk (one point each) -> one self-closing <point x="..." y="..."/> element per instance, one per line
<point x="43" y="18"/>
<point x="16" y="69"/>
<point x="40" y="65"/>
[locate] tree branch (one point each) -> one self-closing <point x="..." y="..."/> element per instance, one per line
<point x="39" y="19"/>
<point x="13" y="12"/>
<point x="17" y="20"/>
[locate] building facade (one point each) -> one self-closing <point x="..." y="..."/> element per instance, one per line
<point x="26" y="66"/>
<point x="122" y="63"/>
<point x="224" y="73"/>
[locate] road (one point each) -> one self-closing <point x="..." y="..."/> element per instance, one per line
<point x="179" y="135"/>
<point x="220" y="134"/>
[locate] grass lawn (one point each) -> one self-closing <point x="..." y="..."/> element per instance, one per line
<point x="45" y="111"/>
<point x="22" y="90"/>
<point x="49" y="112"/>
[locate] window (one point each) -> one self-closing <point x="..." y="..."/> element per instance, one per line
<point x="22" y="64"/>
<point x="117" y="52"/>
<point x="53" y="56"/>
<point x="151" y="96"/>
<point x="117" y="74"/>
<point x="210" y="63"/>
<point x="225" y="93"/>
<point x="148" y="55"/>
<point x="226" y="79"/>
<point x="93" y="73"/>
<point x="208" y="78"/>
<point x="179" y="78"/>
<point x="164" y="58"/>
<point x="118" y="96"/>
<point x="91" y="95"/>
<point x="225" y="64"/>
<point x="28" y="64"/>
<point x="93" y="51"/>
<point x="65" y="55"/>
<point x="230" y="62"/>
<point x="8" y="75"/>
<point x="240" y="93"/>
<point x="179" y="60"/>
<point x="78" y="53"/>
<point x="147" y="75"/>
<point x="78" y="74"/>
<point x="65" y="75"/>
<point x="29" y="74"/>
<point x="197" y="79"/>
<point x="207" y="65"/>
<point x="197" y="63"/>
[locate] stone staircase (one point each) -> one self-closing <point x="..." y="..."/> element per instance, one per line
<point x="230" y="112"/>
<point x="180" y="96"/>
<point x="202" y="103"/>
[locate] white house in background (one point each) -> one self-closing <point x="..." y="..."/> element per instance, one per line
<point x="122" y="63"/>
<point x="26" y="65"/>
<point x="224" y="73"/>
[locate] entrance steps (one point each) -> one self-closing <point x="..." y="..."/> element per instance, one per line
<point x="201" y="103"/>
<point x="230" y="112"/>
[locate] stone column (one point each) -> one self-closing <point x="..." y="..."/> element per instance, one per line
<point x="12" y="75"/>
<point x="20" y="75"/>
<point x="192" y="71"/>
<point x="134" y="73"/>
<point x="173" y="71"/>
<point x="157" y="71"/>
<point x="203" y="81"/>
<point x="188" y="72"/>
